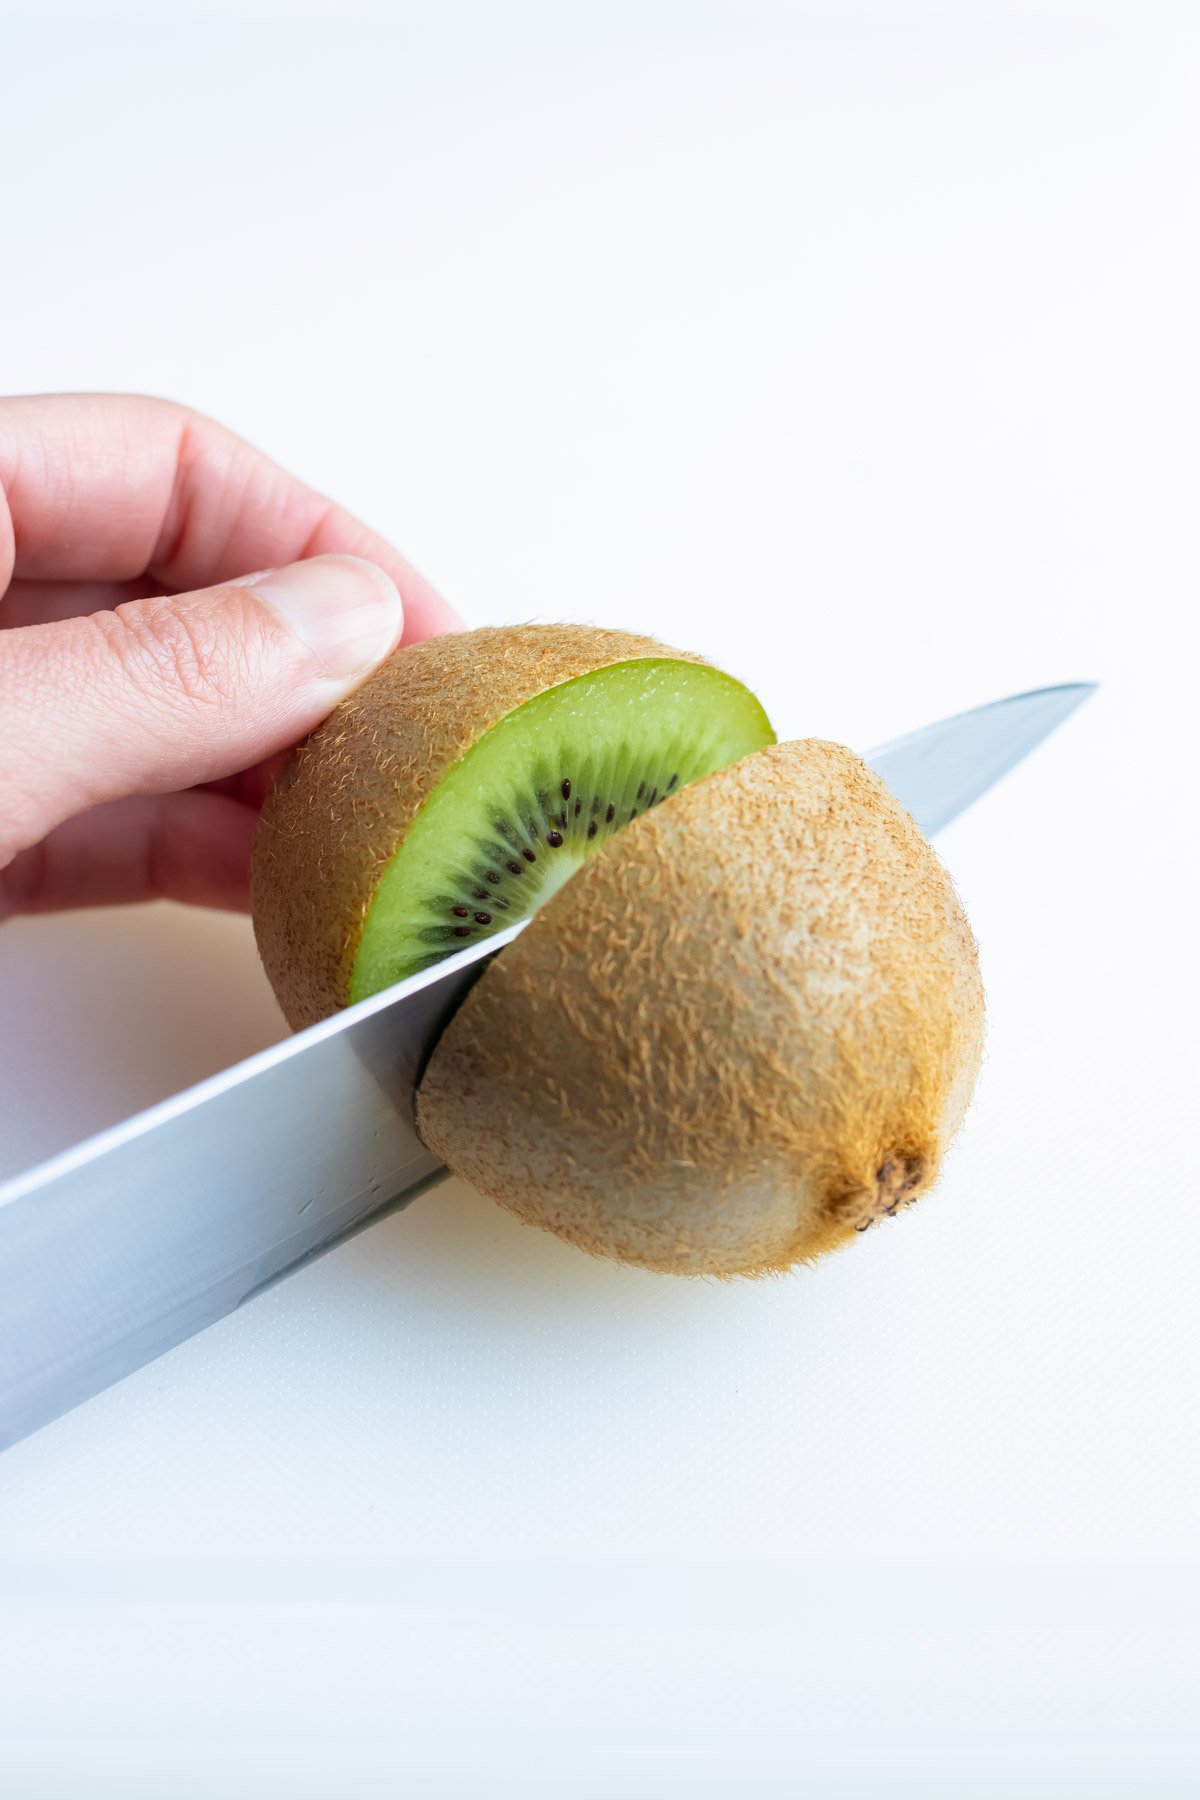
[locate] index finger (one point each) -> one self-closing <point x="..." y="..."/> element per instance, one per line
<point x="114" y="487"/>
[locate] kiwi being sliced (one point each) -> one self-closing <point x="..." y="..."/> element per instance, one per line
<point x="460" y="788"/>
<point x="529" y="802"/>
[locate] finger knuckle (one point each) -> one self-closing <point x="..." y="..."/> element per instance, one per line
<point x="181" y="650"/>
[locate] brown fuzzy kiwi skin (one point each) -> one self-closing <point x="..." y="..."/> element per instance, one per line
<point x="744" y="1031"/>
<point x="344" y="801"/>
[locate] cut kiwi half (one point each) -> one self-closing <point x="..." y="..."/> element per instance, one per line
<point x="463" y="785"/>
<point x="513" y="819"/>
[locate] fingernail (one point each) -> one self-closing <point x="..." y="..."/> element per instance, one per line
<point x="346" y="610"/>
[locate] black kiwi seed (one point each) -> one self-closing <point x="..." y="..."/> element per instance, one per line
<point x="611" y="814"/>
<point x="479" y="893"/>
<point x="529" y="857"/>
<point x="482" y="918"/>
<point x="462" y="931"/>
<point x="641" y="789"/>
<point x="492" y="876"/>
<point x="566" y="789"/>
<point x="672" y="782"/>
<point x="514" y="868"/>
<point x="653" y="800"/>
<point x="554" y="838"/>
<point x="461" y="912"/>
<point x="593" y="828"/>
<point x="578" y="808"/>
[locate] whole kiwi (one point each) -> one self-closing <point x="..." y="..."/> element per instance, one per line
<point x="744" y="1031"/>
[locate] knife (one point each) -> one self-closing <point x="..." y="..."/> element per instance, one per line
<point x="118" y="1249"/>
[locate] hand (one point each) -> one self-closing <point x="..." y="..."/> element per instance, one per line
<point x="149" y="680"/>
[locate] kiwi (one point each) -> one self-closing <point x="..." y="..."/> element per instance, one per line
<point x="457" y="790"/>
<point x="745" y="1031"/>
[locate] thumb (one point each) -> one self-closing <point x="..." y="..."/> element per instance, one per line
<point x="163" y="693"/>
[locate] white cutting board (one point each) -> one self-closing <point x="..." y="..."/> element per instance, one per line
<point x="860" y="358"/>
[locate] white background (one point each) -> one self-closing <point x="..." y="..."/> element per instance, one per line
<point x="854" y="346"/>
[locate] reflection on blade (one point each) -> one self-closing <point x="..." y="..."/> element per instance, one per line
<point x="936" y="773"/>
<point x="115" y="1251"/>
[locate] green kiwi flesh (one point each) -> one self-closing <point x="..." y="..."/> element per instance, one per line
<point x="534" y="796"/>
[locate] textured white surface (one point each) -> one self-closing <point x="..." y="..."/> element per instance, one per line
<point x="859" y="354"/>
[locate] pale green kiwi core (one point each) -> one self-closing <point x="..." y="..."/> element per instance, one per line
<point x="531" y="800"/>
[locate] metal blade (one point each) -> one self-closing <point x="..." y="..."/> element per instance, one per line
<point x="122" y="1247"/>
<point x="937" y="773"/>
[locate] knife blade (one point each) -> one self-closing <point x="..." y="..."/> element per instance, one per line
<point x="114" y="1251"/>
<point x="937" y="772"/>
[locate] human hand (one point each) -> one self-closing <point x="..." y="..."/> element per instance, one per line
<point x="150" y="684"/>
